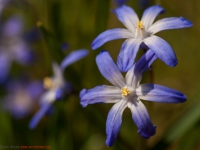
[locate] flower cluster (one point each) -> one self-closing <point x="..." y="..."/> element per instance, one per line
<point x="128" y="92"/>
<point x="34" y="92"/>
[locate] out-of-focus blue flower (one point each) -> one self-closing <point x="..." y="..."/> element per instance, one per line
<point x="55" y="86"/>
<point x="12" y="46"/>
<point x="120" y="2"/>
<point x="141" y="33"/>
<point x="21" y="97"/>
<point x="32" y="35"/>
<point x="128" y="92"/>
<point x="64" y="46"/>
<point x="2" y="4"/>
<point x="143" y="3"/>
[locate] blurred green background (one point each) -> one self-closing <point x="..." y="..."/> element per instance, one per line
<point x="72" y="127"/>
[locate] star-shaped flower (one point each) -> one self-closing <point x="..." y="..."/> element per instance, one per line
<point x="13" y="46"/>
<point x="127" y="92"/>
<point x="141" y="32"/>
<point x="55" y="86"/>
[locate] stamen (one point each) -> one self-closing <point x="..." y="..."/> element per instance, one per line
<point x="125" y="91"/>
<point x="48" y="83"/>
<point x="140" y="25"/>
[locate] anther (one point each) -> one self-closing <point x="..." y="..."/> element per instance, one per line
<point x="125" y="91"/>
<point x="48" y="83"/>
<point x="140" y="25"/>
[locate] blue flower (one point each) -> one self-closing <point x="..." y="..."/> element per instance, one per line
<point x="120" y="2"/>
<point x="22" y="97"/>
<point x="127" y="92"/>
<point x="143" y="3"/>
<point x="13" y="46"/>
<point x="55" y="86"/>
<point x="141" y="32"/>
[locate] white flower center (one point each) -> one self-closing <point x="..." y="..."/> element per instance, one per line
<point x="140" y="31"/>
<point x="125" y="91"/>
<point x="140" y="25"/>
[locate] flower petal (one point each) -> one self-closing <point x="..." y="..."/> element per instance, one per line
<point x="169" y="23"/>
<point x="100" y="94"/>
<point x="127" y="54"/>
<point x="22" y="53"/>
<point x="109" y="69"/>
<point x="141" y="118"/>
<point x="57" y="72"/>
<point x="134" y="75"/>
<point x="48" y="97"/>
<point x="127" y="16"/>
<point x="59" y="94"/>
<point x="158" y="93"/>
<point x="110" y="35"/>
<point x="5" y="64"/>
<point x="46" y="102"/>
<point x="73" y="57"/>
<point x="13" y="27"/>
<point x="37" y="117"/>
<point x="162" y="50"/>
<point x="150" y="14"/>
<point x="58" y="78"/>
<point x="114" y="121"/>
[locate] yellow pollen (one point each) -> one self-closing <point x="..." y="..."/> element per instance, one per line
<point x="140" y="25"/>
<point x="48" y="83"/>
<point x="38" y="24"/>
<point x="125" y="91"/>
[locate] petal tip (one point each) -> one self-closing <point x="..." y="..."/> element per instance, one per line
<point x="31" y="126"/>
<point x="186" y="22"/>
<point x="148" y="132"/>
<point x="83" y="104"/>
<point x="124" y="66"/>
<point x="82" y="93"/>
<point x="162" y="9"/>
<point x="174" y="63"/>
<point x="108" y="143"/>
<point x="184" y="98"/>
<point x="93" y="46"/>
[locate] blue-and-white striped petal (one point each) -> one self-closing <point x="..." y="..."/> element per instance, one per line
<point x="127" y="16"/>
<point x="73" y="57"/>
<point x="141" y="118"/>
<point x="127" y="54"/>
<point x="114" y="121"/>
<point x="150" y="14"/>
<point x="37" y="117"/>
<point x="109" y="70"/>
<point x="134" y="75"/>
<point x="158" y="93"/>
<point x="110" y="35"/>
<point x="162" y="50"/>
<point x="169" y="23"/>
<point x="100" y="94"/>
